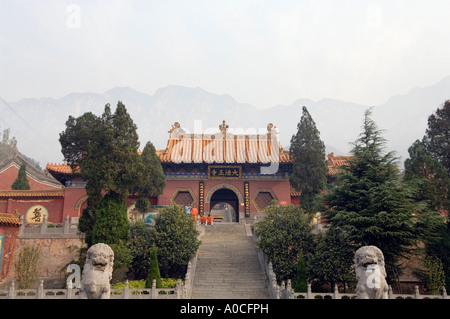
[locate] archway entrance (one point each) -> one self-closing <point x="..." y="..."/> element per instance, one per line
<point x="225" y="202"/>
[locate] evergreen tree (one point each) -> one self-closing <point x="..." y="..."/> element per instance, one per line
<point x="284" y="233"/>
<point x="301" y="277"/>
<point x="77" y="136"/>
<point x="437" y="135"/>
<point x="112" y="228"/>
<point x="139" y="244"/>
<point x="150" y="178"/>
<point x="176" y="239"/>
<point x="153" y="270"/>
<point x="112" y="225"/>
<point x="428" y="176"/>
<point x="21" y="182"/>
<point x="370" y="203"/>
<point x="332" y="260"/>
<point x="309" y="165"/>
<point x="105" y="149"/>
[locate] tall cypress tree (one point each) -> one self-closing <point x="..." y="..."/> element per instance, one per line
<point x="21" y="182"/>
<point x="106" y="150"/>
<point x="153" y="269"/>
<point x="150" y="178"/>
<point x="309" y="165"/>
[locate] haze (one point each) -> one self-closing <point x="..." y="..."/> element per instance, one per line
<point x="260" y="52"/>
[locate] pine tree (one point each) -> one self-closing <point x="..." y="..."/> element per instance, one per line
<point x="428" y="176"/>
<point x="21" y="182"/>
<point x="370" y="203"/>
<point x="150" y="178"/>
<point x="437" y="135"/>
<point x="309" y="166"/>
<point x="153" y="270"/>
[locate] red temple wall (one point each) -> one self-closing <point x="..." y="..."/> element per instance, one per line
<point x="54" y="207"/>
<point x="9" y="175"/>
<point x="280" y="188"/>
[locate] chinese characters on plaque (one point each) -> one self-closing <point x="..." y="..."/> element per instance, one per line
<point x="201" y="198"/>
<point x="247" y="199"/>
<point x="224" y="172"/>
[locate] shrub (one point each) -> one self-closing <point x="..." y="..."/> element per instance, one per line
<point x="176" y="239"/>
<point x="26" y="265"/>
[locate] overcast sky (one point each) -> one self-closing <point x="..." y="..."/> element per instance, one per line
<point x="260" y="52"/>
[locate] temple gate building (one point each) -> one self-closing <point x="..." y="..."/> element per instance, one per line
<point x="245" y="171"/>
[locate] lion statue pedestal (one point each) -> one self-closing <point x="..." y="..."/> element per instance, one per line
<point x="97" y="273"/>
<point x="370" y="273"/>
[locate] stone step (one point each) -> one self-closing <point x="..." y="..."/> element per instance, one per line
<point x="228" y="265"/>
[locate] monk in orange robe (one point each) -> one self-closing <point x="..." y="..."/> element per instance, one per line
<point x="194" y="212"/>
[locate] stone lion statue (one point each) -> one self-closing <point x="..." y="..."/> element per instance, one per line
<point x="97" y="272"/>
<point x="370" y="273"/>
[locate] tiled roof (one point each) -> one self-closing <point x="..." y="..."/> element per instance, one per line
<point x="218" y="148"/>
<point x="31" y="193"/>
<point x="38" y="175"/>
<point x="61" y="168"/>
<point x="9" y="219"/>
<point x="334" y="162"/>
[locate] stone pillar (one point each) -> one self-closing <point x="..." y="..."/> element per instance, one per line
<point x="11" y="292"/>
<point x="66" y="225"/>
<point x="309" y="292"/>
<point x="154" y="292"/>
<point x="40" y="291"/>
<point x="336" y="292"/>
<point x="416" y="292"/>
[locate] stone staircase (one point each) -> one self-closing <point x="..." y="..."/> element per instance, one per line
<point x="228" y="265"/>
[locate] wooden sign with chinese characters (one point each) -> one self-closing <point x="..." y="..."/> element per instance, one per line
<point x="201" y="197"/>
<point x="247" y="199"/>
<point x="224" y="172"/>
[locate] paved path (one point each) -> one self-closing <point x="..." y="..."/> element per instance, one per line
<point x="228" y="265"/>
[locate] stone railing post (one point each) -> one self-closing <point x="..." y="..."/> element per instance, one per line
<point x="336" y="292"/>
<point x="416" y="292"/>
<point x="154" y="292"/>
<point x="66" y="225"/>
<point x="289" y="289"/>
<point x="309" y="292"/>
<point x="22" y="225"/>
<point x="126" y="290"/>
<point x="43" y="225"/>
<point x="69" y="293"/>
<point x="11" y="292"/>
<point x="283" y="291"/>
<point x="40" y="290"/>
<point x="179" y="289"/>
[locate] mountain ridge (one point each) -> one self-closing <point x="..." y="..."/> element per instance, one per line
<point x="38" y="122"/>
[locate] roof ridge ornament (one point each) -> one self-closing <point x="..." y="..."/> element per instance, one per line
<point x="175" y="131"/>
<point x="223" y="128"/>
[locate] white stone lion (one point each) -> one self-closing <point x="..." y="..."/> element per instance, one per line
<point x="370" y="273"/>
<point x="97" y="272"/>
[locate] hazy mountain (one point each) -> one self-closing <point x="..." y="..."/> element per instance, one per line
<point x="36" y="123"/>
